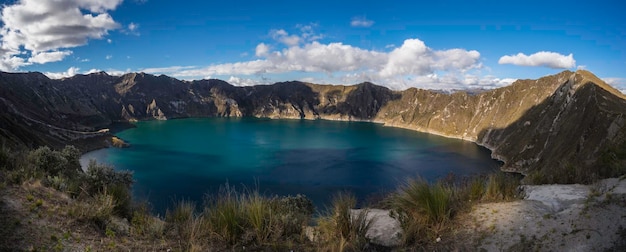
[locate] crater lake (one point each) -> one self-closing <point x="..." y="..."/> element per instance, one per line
<point x="190" y="158"/>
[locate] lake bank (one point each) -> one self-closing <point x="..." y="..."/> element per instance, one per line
<point x="328" y="156"/>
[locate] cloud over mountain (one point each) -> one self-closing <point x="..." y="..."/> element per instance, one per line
<point x="543" y="58"/>
<point x="403" y="67"/>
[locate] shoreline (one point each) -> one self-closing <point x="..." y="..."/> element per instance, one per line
<point x="382" y="123"/>
<point x="489" y="165"/>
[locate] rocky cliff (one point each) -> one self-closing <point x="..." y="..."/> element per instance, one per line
<point x="571" y="119"/>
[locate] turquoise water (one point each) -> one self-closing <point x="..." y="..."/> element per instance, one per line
<point x="187" y="158"/>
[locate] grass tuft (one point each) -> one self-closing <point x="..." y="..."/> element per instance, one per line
<point x="98" y="209"/>
<point x="339" y="229"/>
<point x="423" y="209"/>
<point x="225" y="215"/>
<point x="502" y="187"/>
<point x="186" y="226"/>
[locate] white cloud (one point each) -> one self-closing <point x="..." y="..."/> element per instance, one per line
<point x="109" y="41"/>
<point x="45" y="57"/>
<point x="245" y="68"/>
<point x="361" y="21"/>
<point x="313" y="57"/>
<point x="40" y="28"/>
<point x="614" y="81"/>
<point x="410" y="65"/>
<point x="262" y="50"/>
<point x="132" y="29"/>
<point x="133" y="26"/>
<point x="307" y="32"/>
<point x="165" y="70"/>
<point x="307" y="35"/>
<point x="237" y="81"/>
<point x="93" y="70"/>
<point x="543" y="58"/>
<point x="113" y="72"/>
<point x="69" y="73"/>
<point x="284" y="37"/>
<point x="488" y="81"/>
<point x="414" y="57"/>
<point x="328" y="58"/>
<point x="108" y="57"/>
<point x="75" y="70"/>
<point x="10" y="62"/>
<point x="618" y="83"/>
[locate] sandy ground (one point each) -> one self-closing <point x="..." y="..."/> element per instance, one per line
<point x="549" y="218"/>
<point x="555" y="218"/>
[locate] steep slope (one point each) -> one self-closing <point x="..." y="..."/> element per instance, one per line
<point x="559" y="124"/>
<point x="559" y="121"/>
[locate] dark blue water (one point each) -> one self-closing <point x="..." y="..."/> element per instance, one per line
<point x="187" y="158"/>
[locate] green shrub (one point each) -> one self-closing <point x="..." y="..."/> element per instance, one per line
<point x="72" y="156"/>
<point x="261" y="216"/>
<point x="143" y="223"/>
<point x="501" y="186"/>
<point x="101" y="176"/>
<point x="44" y="162"/>
<point x="182" y="213"/>
<point x="431" y="201"/>
<point x="56" y="182"/>
<point x="123" y="200"/>
<point x="55" y="163"/>
<point x="187" y="226"/>
<point x="467" y="193"/>
<point x="341" y="230"/>
<point x="535" y="177"/>
<point x="476" y="189"/>
<point x="294" y="213"/>
<point x="225" y="215"/>
<point x="97" y="209"/>
<point x="250" y="218"/>
<point x="424" y="210"/>
<point x="104" y="179"/>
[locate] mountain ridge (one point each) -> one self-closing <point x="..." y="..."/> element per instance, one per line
<point x="562" y="120"/>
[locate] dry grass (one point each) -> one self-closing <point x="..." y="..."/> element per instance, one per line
<point x="187" y="227"/>
<point x="339" y="230"/>
<point x="98" y="210"/>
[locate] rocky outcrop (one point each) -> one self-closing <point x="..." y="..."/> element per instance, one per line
<point x="154" y="111"/>
<point x="571" y="118"/>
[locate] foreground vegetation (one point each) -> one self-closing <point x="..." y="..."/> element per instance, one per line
<point x="100" y="199"/>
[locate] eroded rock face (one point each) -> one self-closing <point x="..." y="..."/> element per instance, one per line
<point x="570" y="118"/>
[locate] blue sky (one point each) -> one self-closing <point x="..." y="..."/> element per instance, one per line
<point x="399" y="44"/>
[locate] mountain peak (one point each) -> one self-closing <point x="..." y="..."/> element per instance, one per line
<point x="587" y="77"/>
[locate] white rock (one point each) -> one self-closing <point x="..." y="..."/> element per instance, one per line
<point x="557" y="197"/>
<point x="384" y="230"/>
